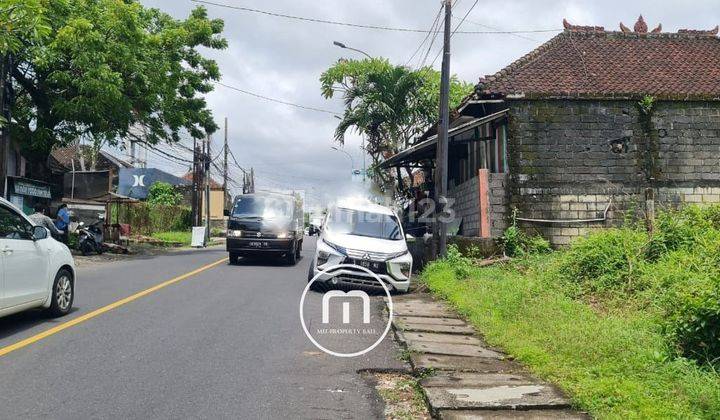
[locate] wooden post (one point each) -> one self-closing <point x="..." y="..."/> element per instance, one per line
<point x="650" y="210"/>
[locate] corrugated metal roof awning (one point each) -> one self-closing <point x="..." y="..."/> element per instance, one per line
<point x="427" y="148"/>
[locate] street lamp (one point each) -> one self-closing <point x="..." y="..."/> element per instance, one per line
<point x="352" y="161"/>
<point x="341" y="45"/>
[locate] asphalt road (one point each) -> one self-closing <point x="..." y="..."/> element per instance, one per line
<point x="223" y="343"/>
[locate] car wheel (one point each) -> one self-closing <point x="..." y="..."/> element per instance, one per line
<point x="298" y="250"/>
<point x="311" y="270"/>
<point x="63" y="293"/>
<point x="234" y="259"/>
<point x="291" y="256"/>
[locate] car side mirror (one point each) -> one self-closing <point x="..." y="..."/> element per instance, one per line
<point x="39" y="232"/>
<point x="409" y="238"/>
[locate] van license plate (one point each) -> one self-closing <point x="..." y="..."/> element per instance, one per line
<point x="258" y="244"/>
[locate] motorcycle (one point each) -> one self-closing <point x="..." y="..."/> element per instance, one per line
<point x="90" y="238"/>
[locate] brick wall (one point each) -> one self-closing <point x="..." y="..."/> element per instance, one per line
<point x="569" y="159"/>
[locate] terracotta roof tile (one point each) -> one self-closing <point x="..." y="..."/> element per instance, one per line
<point x="589" y="62"/>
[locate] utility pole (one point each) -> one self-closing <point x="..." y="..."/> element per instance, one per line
<point x="5" y="104"/>
<point x="441" y="167"/>
<point x="225" y="166"/>
<point x="252" y="181"/>
<point x="195" y="182"/>
<point x="207" y="160"/>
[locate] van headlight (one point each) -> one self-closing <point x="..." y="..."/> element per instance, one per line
<point x="234" y="233"/>
<point x="284" y="235"/>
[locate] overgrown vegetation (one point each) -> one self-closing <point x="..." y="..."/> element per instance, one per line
<point x="628" y="324"/>
<point x="515" y="242"/>
<point x="146" y="219"/>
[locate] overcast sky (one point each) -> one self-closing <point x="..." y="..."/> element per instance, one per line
<point x="280" y="58"/>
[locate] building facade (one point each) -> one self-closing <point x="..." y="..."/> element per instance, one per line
<point x="576" y="134"/>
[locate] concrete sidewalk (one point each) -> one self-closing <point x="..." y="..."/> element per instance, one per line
<point x="469" y="379"/>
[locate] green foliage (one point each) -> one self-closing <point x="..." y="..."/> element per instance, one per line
<point x="146" y="219"/>
<point x="96" y="68"/>
<point x="24" y="23"/>
<point x="461" y="264"/>
<point x="606" y="260"/>
<point x="183" y="238"/>
<point x="389" y="104"/>
<point x="614" y="363"/>
<point x="162" y="193"/>
<point x="646" y="104"/>
<point x="516" y="243"/>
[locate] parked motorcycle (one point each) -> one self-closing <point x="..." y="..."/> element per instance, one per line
<point x="90" y="238"/>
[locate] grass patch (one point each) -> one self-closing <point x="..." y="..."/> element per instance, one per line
<point x="614" y="363"/>
<point x="183" y="238"/>
<point x="402" y="395"/>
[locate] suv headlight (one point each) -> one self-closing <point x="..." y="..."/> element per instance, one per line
<point x="405" y="269"/>
<point x="285" y="235"/>
<point x="234" y="233"/>
<point x="322" y="258"/>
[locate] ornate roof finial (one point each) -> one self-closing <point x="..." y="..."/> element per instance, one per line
<point x="624" y="28"/>
<point x="640" y="26"/>
<point x="657" y="30"/>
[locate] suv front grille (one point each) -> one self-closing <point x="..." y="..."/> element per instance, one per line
<point x="358" y="254"/>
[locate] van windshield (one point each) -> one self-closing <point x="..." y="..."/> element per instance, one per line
<point x="361" y="223"/>
<point x="262" y="207"/>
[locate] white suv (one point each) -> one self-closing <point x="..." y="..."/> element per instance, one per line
<point x="36" y="271"/>
<point x="364" y="234"/>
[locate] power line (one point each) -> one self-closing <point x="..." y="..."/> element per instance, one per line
<point x="482" y="25"/>
<point x="456" y="28"/>
<point x="357" y="25"/>
<point x="432" y="27"/>
<point x="279" y="101"/>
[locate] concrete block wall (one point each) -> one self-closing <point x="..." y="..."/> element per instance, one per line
<point x="467" y="206"/>
<point x="563" y="164"/>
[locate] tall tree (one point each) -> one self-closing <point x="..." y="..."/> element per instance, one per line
<point x="391" y="105"/>
<point x="104" y="66"/>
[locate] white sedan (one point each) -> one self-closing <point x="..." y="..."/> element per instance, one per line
<point x="36" y="271"/>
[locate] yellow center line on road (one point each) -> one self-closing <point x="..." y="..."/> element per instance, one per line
<point x="97" y="312"/>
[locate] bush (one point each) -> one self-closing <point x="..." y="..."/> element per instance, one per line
<point x="693" y="316"/>
<point x="516" y="243"/>
<point x="460" y="263"/>
<point x="164" y="194"/>
<point x="604" y="261"/>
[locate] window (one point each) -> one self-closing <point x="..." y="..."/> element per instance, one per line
<point x="263" y="207"/>
<point x="361" y="223"/>
<point x="13" y="226"/>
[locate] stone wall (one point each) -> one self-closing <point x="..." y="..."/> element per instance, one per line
<point x="499" y="213"/>
<point x="570" y="159"/>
